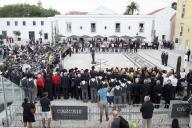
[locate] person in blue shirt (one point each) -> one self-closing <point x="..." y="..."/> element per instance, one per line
<point x="102" y="101"/>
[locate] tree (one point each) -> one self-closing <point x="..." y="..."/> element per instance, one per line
<point x="174" y="5"/>
<point x="131" y="8"/>
<point x="26" y="10"/>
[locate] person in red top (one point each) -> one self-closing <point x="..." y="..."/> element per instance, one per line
<point x="40" y="85"/>
<point x="56" y="82"/>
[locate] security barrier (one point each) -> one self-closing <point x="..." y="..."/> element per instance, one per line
<point x="161" y="117"/>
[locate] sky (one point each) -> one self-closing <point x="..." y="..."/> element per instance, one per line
<point x="119" y="6"/>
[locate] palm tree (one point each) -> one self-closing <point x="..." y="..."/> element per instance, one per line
<point x="131" y="8"/>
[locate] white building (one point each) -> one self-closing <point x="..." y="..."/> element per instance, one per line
<point x="100" y="21"/>
<point x="163" y="22"/>
<point x="29" y="28"/>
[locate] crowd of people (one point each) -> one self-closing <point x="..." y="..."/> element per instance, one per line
<point x="36" y="68"/>
<point x="33" y="69"/>
<point x="125" y="85"/>
<point x="118" y="45"/>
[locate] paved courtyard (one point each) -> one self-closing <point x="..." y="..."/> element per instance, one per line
<point x="149" y="58"/>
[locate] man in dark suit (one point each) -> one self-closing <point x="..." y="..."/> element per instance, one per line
<point x="163" y="58"/>
<point x="147" y="112"/>
<point x="166" y="58"/>
<point x="188" y="54"/>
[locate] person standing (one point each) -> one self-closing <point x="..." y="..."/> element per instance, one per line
<point x="28" y="116"/>
<point x="116" y="120"/>
<point x="136" y="91"/>
<point x="24" y="85"/>
<point x="185" y="61"/>
<point x="147" y="112"/>
<point x="56" y="81"/>
<point x="46" y="110"/>
<point x="65" y="85"/>
<point x="93" y="89"/>
<point x="188" y="54"/>
<point x="175" y="123"/>
<point x="84" y="90"/>
<point x="40" y="85"/>
<point x="93" y="55"/>
<point x="163" y="58"/>
<point x="102" y="101"/>
<point x="157" y="93"/>
<point x="48" y="86"/>
<point x="189" y="80"/>
<point x="166" y="58"/>
<point x="167" y="93"/>
<point x="32" y="88"/>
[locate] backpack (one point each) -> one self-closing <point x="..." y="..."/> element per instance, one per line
<point x="31" y="84"/>
<point x="123" y="123"/>
<point x="32" y="108"/>
<point x="24" y="83"/>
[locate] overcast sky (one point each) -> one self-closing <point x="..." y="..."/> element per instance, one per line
<point x="118" y="6"/>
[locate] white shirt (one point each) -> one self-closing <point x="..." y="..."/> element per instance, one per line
<point x="174" y="81"/>
<point x="182" y="74"/>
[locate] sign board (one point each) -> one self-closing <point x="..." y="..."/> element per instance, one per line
<point x="69" y="112"/>
<point x="180" y="110"/>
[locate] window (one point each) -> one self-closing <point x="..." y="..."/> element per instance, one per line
<point x="81" y="27"/>
<point x="8" y="23"/>
<point x="68" y="26"/>
<point x="141" y="27"/>
<point x="34" y="23"/>
<point x="117" y="27"/>
<point x="181" y="31"/>
<point x="183" y="10"/>
<point x="93" y="27"/>
<point x="4" y="34"/>
<point x="129" y="27"/>
<point x="163" y="37"/>
<point x="183" y="13"/>
<point x="42" y="23"/>
<point x="45" y="36"/>
<point x="16" y="23"/>
<point x="105" y="27"/>
<point x="24" y="23"/>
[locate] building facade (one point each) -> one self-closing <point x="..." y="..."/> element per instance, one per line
<point x="100" y="21"/>
<point x="29" y="28"/>
<point x="105" y="25"/>
<point x="163" y="23"/>
<point x="183" y="33"/>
